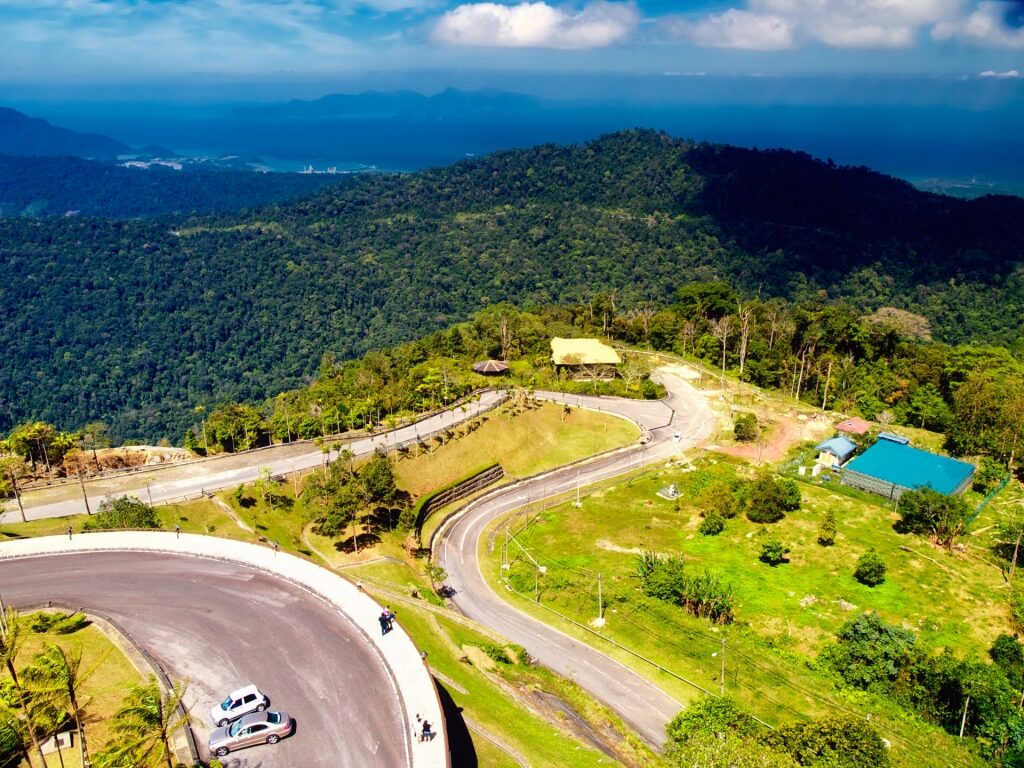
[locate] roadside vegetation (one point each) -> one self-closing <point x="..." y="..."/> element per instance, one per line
<point x="61" y="673"/>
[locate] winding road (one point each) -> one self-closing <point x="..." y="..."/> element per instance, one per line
<point x="221" y="625"/>
<point x="676" y="423"/>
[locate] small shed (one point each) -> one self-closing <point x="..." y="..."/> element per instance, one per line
<point x="584" y="358"/>
<point x="854" y="426"/>
<point x="889" y="468"/>
<point x="835" y="452"/>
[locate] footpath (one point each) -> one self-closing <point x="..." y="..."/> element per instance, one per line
<point x="412" y="676"/>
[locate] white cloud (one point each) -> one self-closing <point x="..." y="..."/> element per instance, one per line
<point x="781" y="24"/>
<point x="1007" y="74"/>
<point x="735" y="29"/>
<point x="986" y="27"/>
<point x="536" y="25"/>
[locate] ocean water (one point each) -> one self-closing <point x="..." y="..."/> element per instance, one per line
<point x="912" y="141"/>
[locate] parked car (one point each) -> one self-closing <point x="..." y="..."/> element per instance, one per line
<point x="237" y="703"/>
<point x="257" y="728"/>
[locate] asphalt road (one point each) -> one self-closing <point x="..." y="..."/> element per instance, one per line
<point x="221" y="625"/>
<point x="279" y="460"/>
<point x="678" y="423"/>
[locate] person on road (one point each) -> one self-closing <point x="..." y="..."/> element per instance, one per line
<point x="384" y="622"/>
<point x="426" y="734"/>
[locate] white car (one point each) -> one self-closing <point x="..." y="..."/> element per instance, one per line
<point x="237" y="703"/>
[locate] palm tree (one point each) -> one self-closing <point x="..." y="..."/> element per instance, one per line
<point x="10" y="645"/>
<point x="143" y="726"/>
<point x="13" y="732"/>
<point x="57" y="674"/>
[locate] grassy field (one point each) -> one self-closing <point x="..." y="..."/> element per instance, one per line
<point x="524" y="440"/>
<point x="497" y="698"/>
<point x="110" y="674"/>
<point x="784" y="614"/>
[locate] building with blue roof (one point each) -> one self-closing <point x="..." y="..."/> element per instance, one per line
<point x="891" y="467"/>
<point x="836" y="451"/>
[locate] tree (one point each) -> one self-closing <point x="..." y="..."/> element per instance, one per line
<point x="827" y="529"/>
<point x="144" y="725"/>
<point x="928" y="406"/>
<point x="929" y="512"/>
<point x="58" y="675"/>
<point x="1007" y="653"/>
<point x="11" y="639"/>
<point x="122" y="512"/>
<point x="714" y="716"/>
<point x="377" y="478"/>
<point x="838" y="741"/>
<point x="768" y="498"/>
<point x="94" y="435"/>
<point x="746" y="428"/>
<point x="870" y="569"/>
<point x="869" y="653"/>
<point x="12" y="469"/>
<point x="726" y="752"/>
<point x="706" y="300"/>
<point x="773" y="552"/>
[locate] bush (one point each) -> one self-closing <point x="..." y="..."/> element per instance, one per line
<point x="773" y="552"/>
<point x="716" y="716"/>
<point x="827" y="530"/>
<point x="842" y="741"/>
<point x="58" y="623"/>
<point x="768" y="498"/>
<point x="746" y="428"/>
<point x="990" y="473"/>
<point x="869" y="653"/>
<point x="703" y="595"/>
<point x="712" y="525"/>
<point x="870" y="569"/>
<point x="718" y="498"/>
<point x="124" y="512"/>
<point x="1008" y="654"/>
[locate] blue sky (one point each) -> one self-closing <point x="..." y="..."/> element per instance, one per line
<point x="89" y="42"/>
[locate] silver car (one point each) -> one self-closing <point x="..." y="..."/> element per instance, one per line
<point x="257" y="728"/>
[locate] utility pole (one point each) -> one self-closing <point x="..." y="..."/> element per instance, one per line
<point x="722" y="687"/>
<point x="85" y="496"/>
<point x="963" y="720"/>
<point x="578" y="502"/>
<point x="149" y="493"/>
<point x="600" y="603"/>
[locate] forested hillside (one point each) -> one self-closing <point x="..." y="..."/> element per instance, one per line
<point x="138" y="322"/>
<point x="57" y="186"/>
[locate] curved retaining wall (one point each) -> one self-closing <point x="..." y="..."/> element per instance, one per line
<point x="411" y="674"/>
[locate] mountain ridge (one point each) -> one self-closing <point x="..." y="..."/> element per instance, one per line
<point x="138" y="322"/>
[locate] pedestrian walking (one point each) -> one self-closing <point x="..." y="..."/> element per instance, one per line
<point x="391" y="619"/>
<point x="384" y="623"/>
<point x="427" y="734"/>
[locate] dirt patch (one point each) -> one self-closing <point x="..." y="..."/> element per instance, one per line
<point x="612" y="547"/>
<point x="782" y="434"/>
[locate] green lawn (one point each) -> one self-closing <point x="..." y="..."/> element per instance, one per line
<point x="784" y="614"/>
<point x="524" y="440"/>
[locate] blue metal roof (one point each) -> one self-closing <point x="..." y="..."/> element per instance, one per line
<point x="911" y="467"/>
<point x="840" y="447"/>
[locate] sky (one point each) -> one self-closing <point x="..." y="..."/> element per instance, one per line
<point x="91" y="45"/>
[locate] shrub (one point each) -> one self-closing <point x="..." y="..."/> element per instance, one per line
<point x="58" y="623"/>
<point x="989" y="473"/>
<point x="497" y="653"/>
<point x="718" y="498"/>
<point x="827" y="529"/>
<point x="870" y="569"/>
<point x="746" y="428"/>
<point x="842" y="741"/>
<point x="768" y="498"/>
<point x="1008" y="654"/>
<point x="869" y="653"/>
<point x="716" y="716"/>
<point x="712" y="525"/>
<point x="773" y="552"/>
<point x="703" y="595"/>
<point x="123" y="512"/>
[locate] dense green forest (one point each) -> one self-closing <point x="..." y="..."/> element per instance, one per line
<point x="139" y="322"/>
<point x="56" y="186"/>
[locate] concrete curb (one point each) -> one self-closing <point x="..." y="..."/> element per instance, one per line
<point x="409" y="671"/>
